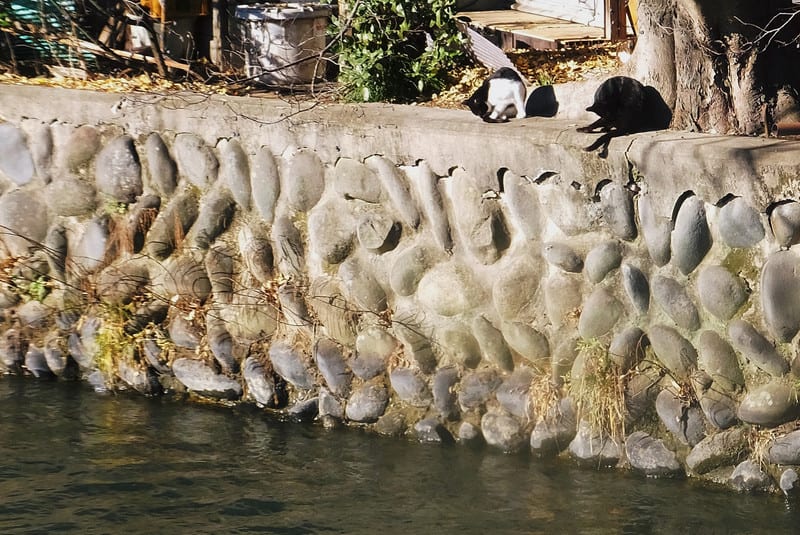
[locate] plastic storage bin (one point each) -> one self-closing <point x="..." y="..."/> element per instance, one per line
<point x="282" y="42"/>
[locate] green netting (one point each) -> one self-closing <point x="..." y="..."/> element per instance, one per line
<point x="53" y="16"/>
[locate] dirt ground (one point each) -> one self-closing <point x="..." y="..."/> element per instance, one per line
<point x="540" y="67"/>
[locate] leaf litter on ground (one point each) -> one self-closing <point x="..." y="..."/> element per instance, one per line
<point x="538" y="67"/>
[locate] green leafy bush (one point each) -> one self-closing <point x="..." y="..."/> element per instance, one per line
<point x="396" y="51"/>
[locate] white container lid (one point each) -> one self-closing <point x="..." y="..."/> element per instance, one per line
<point x="282" y="11"/>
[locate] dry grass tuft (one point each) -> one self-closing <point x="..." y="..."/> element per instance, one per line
<point x="599" y="393"/>
<point x="544" y="396"/>
<point x="759" y="442"/>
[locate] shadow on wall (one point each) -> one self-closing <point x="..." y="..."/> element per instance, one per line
<point x="542" y="102"/>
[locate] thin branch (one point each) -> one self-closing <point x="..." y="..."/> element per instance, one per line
<point x="124" y="54"/>
<point x="768" y="34"/>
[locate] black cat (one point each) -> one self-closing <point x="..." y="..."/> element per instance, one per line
<point x="621" y="103"/>
<point x="500" y="95"/>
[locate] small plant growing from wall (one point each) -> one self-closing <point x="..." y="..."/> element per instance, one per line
<point x="38" y="289"/>
<point x="117" y="342"/>
<point x="116" y="208"/>
<point x="113" y="343"/>
<point x="30" y="284"/>
<point x="395" y="51"/>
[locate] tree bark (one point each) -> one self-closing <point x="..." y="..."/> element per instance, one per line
<point x="706" y="60"/>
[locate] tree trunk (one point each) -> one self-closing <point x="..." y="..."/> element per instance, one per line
<point x="707" y="61"/>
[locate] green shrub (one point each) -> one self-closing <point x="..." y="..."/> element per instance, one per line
<point x="396" y="51"/>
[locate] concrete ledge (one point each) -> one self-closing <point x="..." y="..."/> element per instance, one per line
<point x="710" y="165"/>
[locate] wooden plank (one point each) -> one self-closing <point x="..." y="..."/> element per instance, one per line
<point x="548" y="32"/>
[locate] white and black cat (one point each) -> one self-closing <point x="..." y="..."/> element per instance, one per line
<point x="500" y="97"/>
<point x="620" y="102"/>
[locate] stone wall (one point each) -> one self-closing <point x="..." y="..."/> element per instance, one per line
<point x="414" y="271"/>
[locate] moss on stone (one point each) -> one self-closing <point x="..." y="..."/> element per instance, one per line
<point x="742" y="262"/>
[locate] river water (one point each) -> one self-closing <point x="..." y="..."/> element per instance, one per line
<point x="74" y="461"/>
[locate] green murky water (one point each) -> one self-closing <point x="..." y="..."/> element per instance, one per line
<point x="73" y="461"/>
